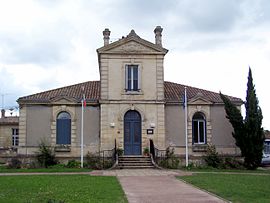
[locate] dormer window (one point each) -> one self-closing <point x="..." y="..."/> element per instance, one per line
<point x="132" y="78"/>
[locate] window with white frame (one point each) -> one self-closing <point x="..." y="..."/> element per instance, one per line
<point x="198" y="128"/>
<point x="266" y="147"/>
<point x="15" y="137"/>
<point x="132" y="78"/>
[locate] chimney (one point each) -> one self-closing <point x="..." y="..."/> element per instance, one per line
<point x="3" y="113"/>
<point x="158" y="35"/>
<point x="106" y="36"/>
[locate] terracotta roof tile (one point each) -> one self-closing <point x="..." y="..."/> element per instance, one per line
<point x="173" y="93"/>
<point x="9" y="120"/>
<point x="91" y="90"/>
<point x="267" y="134"/>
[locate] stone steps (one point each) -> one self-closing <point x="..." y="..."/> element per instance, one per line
<point x="133" y="162"/>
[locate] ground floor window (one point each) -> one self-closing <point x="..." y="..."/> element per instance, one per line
<point x="63" y="128"/>
<point x="267" y="147"/>
<point x="198" y="129"/>
<point x="15" y="137"/>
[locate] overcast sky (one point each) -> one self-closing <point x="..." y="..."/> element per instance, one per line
<point x="46" y="44"/>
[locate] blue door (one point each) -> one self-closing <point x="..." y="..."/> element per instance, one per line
<point x="132" y="133"/>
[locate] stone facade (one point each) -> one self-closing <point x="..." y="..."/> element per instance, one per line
<point x="8" y="126"/>
<point x="115" y="100"/>
<point x="158" y="103"/>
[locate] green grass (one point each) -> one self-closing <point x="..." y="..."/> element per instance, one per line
<point x="4" y="169"/>
<point x="72" y="188"/>
<point x="259" y="170"/>
<point x="236" y="188"/>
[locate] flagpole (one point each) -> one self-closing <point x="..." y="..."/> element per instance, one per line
<point x="186" y="134"/>
<point x="82" y="136"/>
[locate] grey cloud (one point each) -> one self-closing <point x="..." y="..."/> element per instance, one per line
<point x="210" y="16"/>
<point x="8" y="89"/>
<point x="47" y="44"/>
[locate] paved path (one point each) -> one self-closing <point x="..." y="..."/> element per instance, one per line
<point x="139" y="172"/>
<point x="162" y="189"/>
<point x="150" y="185"/>
<point x="158" y="186"/>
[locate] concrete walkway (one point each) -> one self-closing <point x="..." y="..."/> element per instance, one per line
<point x="158" y="186"/>
<point x="149" y="185"/>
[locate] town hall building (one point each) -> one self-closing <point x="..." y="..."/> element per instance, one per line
<point x="130" y="105"/>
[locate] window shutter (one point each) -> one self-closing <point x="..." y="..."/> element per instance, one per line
<point x="139" y="77"/>
<point x="126" y="77"/>
<point x="63" y="131"/>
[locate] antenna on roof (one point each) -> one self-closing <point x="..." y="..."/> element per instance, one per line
<point x="3" y="99"/>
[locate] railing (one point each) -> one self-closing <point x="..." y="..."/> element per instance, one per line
<point x="108" y="157"/>
<point x="157" y="154"/>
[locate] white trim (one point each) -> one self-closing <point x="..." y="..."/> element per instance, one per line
<point x="15" y="136"/>
<point x="198" y="121"/>
<point x="132" y="77"/>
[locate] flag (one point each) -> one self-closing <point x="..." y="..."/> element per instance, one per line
<point x="83" y="99"/>
<point x="184" y="101"/>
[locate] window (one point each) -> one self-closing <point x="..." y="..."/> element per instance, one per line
<point x="63" y="128"/>
<point x="132" y="78"/>
<point x="266" y="147"/>
<point x="15" y="137"/>
<point x="199" y="129"/>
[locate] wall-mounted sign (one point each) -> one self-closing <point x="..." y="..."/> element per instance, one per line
<point x="150" y="131"/>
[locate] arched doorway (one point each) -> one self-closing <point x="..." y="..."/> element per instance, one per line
<point x="132" y="133"/>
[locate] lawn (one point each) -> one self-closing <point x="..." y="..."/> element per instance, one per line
<point x="64" y="188"/>
<point x="259" y="170"/>
<point x="234" y="187"/>
<point x="47" y="170"/>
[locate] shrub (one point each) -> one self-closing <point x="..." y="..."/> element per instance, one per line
<point x="14" y="163"/>
<point x="93" y="161"/>
<point x="146" y="151"/>
<point x="233" y="163"/>
<point x="170" y="161"/>
<point x="45" y="156"/>
<point x="212" y="158"/>
<point x="73" y="164"/>
<point x="119" y="151"/>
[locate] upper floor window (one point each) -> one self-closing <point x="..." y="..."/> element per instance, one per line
<point x="132" y="78"/>
<point x="199" y="128"/>
<point x="63" y="128"/>
<point x="15" y="137"/>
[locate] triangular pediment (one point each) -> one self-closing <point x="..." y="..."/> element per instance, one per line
<point x="132" y="47"/>
<point x="63" y="100"/>
<point x="132" y="44"/>
<point x="199" y="99"/>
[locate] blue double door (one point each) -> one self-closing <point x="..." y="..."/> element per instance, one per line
<point x="132" y="133"/>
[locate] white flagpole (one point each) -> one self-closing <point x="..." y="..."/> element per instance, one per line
<point x="186" y="134"/>
<point x="82" y="132"/>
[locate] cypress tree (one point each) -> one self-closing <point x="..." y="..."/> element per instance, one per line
<point x="253" y="129"/>
<point x="248" y="133"/>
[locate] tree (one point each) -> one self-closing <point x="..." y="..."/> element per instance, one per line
<point x="248" y="133"/>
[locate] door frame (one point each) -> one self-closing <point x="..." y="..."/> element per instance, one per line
<point x="135" y="147"/>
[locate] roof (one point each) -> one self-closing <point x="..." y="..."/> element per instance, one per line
<point x="173" y="93"/>
<point x="9" y="120"/>
<point x="91" y="90"/>
<point x="132" y="36"/>
<point x="267" y="134"/>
